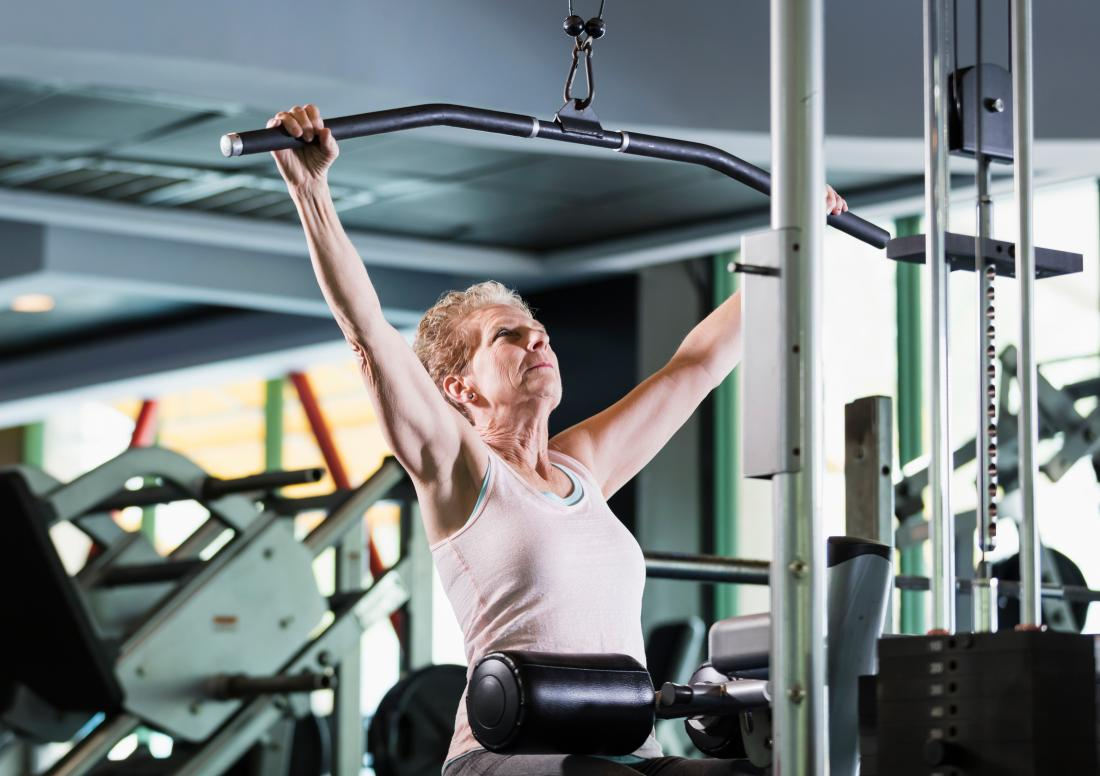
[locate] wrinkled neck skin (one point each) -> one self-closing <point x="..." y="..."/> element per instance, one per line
<point x="519" y="434"/>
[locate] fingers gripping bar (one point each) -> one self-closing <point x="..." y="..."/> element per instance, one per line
<point x="481" y="120"/>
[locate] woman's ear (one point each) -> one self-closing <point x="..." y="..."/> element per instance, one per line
<point x="458" y="390"/>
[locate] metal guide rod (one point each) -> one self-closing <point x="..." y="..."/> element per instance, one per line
<point x="1030" y="578"/>
<point x="705" y="568"/>
<point x="987" y="361"/>
<point x="516" y="125"/>
<point x="942" y="531"/>
<point x="798" y="569"/>
<point x="984" y="590"/>
<point x="742" y="571"/>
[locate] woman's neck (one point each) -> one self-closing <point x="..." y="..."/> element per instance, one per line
<point x="522" y="442"/>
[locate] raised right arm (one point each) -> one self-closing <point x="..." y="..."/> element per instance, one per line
<point x="436" y="445"/>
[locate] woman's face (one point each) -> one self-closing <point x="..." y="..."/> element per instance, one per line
<point x="512" y="363"/>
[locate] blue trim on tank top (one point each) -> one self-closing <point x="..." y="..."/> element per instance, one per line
<point x="574" y="496"/>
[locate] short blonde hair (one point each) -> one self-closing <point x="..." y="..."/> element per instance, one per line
<point x="443" y="342"/>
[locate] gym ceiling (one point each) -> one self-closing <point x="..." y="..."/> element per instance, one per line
<point x="161" y="255"/>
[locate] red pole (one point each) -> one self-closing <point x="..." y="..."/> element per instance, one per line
<point x="145" y="427"/>
<point x="335" y="465"/>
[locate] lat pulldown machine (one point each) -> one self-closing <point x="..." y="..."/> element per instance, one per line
<point x="783" y="307"/>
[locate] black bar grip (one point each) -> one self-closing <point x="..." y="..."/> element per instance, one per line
<point x="860" y="228"/>
<point x="228" y="687"/>
<point x="214" y="487"/>
<point x="383" y="122"/>
<point x="481" y="120"/>
<point x="149" y="573"/>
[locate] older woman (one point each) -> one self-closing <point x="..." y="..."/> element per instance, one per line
<point x="530" y="555"/>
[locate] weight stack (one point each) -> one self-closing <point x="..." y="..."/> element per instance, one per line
<point x="984" y="704"/>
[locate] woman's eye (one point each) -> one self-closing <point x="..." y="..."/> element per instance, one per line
<point x="501" y="333"/>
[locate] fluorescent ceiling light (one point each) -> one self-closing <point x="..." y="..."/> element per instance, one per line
<point x="32" y="303"/>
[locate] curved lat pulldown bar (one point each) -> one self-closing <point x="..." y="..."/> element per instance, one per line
<point x="569" y="127"/>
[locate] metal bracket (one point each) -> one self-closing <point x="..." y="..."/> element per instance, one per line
<point x="772" y="353"/>
<point x="575" y="119"/>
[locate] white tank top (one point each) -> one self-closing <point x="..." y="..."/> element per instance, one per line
<point x="526" y="572"/>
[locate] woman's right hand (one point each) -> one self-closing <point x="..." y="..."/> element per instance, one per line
<point x="307" y="164"/>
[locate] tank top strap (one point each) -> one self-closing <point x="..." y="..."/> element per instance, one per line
<point x="557" y="456"/>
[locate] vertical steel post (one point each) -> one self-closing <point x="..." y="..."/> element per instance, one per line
<point x="273" y="424"/>
<point x="1025" y="275"/>
<point x="797" y="575"/>
<point x="942" y="529"/>
<point x="727" y="449"/>
<point x="34" y="447"/>
<point x="347" y="749"/>
<point x="910" y="354"/>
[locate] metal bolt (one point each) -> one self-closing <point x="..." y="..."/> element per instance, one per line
<point x="797" y="568"/>
<point x="195" y="707"/>
<point x="325" y="658"/>
<point x="991" y="272"/>
<point x="140" y="670"/>
<point x="268" y="553"/>
<point x="730" y="267"/>
<point x="796" y="694"/>
<point x="995" y="105"/>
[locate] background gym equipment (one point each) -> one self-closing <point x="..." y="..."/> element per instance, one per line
<point x="1007" y="703"/>
<point x="216" y="644"/>
<point x="411" y="729"/>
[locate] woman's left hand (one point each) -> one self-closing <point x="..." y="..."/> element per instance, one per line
<point x="834" y="203"/>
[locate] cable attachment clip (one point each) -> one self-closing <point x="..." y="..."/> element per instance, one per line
<point x="580" y="49"/>
<point x="576" y="115"/>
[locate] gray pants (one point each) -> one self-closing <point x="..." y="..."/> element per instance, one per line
<point x="485" y="763"/>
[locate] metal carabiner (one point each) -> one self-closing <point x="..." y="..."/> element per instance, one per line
<point x="578" y="49"/>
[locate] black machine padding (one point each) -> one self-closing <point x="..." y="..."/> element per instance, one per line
<point x="51" y="643"/>
<point x="544" y="703"/>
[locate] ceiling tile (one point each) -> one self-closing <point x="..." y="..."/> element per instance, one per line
<point x="73" y="124"/>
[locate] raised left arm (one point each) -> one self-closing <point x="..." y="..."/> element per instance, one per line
<point x="616" y="443"/>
